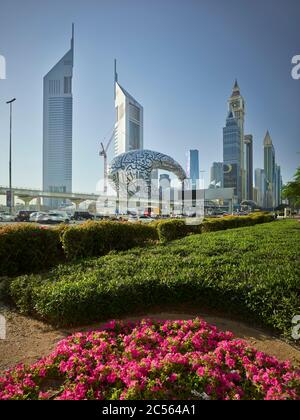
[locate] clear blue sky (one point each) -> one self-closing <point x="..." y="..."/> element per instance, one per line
<point x="179" y="58"/>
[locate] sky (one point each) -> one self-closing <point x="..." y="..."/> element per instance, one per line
<point x="178" y="58"/>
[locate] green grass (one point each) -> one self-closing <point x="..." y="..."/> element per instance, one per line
<point x="253" y="271"/>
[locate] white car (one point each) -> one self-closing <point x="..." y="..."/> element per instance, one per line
<point x="35" y="216"/>
<point x="145" y="219"/>
<point x="53" y="218"/>
<point x="6" y="217"/>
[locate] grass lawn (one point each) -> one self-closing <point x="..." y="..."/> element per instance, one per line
<point x="253" y="271"/>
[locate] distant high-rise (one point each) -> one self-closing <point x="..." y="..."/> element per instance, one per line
<point x="216" y="175"/>
<point x="260" y="185"/>
<point x="193" y="166"/>
<point x="232" y="156"/>
<point x="237" y="106"/>
<point x="278" y="185"/>
<point x="269" y="167"/>
<point x="248" y="140"/>
<point x="57" y="126"/>
<point x="129" y="120"/>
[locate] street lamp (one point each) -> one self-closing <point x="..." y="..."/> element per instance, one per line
<point x="10" y="146"/>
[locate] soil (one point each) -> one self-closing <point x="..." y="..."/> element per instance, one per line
<point x="27" y="339"/>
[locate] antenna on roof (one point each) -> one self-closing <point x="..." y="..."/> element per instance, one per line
<point x="116" y="74"/>
<point x="72" y="39"/>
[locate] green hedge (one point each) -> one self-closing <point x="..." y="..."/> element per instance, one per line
<point x="27" y="248"/>
<point x="237" y="270"/>
<point x="169" y="230"/>
<point x="98" y="238"/>
<point x="231" y="222"/>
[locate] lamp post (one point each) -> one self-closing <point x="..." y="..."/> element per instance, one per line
<point x="10" y="148"/>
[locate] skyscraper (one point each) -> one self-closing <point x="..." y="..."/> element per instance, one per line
<point x="216" y="174"/>
<point x="269" y="167"/>
<point x="248" y="140"/>
<point x="193" y="166"/>
<point x="232" y="156"/>
<point x="237" y="106"/>
<point x="278" y="185"/>
<point x="260" y="185"/>
<point x="57" y="126"/>
<point x="129" y="120"/>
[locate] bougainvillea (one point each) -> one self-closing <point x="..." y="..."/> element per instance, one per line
<point x="153" y="360"/>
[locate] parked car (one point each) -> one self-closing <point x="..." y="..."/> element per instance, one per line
<point x="6" y="217"/>
<point x="145" y="219"/>
<point x="82" y="215"/>
<point x="23" y="216"/>
<point x="36" y="215"/>
<point x="53" y="218"/>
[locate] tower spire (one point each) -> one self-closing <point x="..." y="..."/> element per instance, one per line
<point x="72" y="39"/>
<point x="116" y="74"/>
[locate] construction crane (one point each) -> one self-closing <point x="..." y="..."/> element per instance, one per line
<point x="103" y="152"/>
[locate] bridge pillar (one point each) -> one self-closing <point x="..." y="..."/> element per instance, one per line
<point x="77" y="202"/>
<point x="26" y="199"/>
<point x="38" y="203"/>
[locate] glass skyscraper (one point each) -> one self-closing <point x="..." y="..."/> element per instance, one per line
<point x="232" y="156"/>
<point x="237" y="106"/>
<point x="269" y="167"/>
<point x="260" y="185"/>
<point x="193" y="167"/>
<point x="216" y="175"/>
<point x="248" y="140"/>
<point x="278" y="185"/>
<point x="57" y="126"/>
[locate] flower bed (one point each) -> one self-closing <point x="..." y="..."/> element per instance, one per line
<point x="153" y="360"/>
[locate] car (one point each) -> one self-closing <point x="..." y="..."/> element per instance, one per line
<point x="6" y="217"/>
<point x="23" y="216"/>
<point x="53" y="218"/>
<point x="82" y="215"/>
<point x="35" y="216"/>
<point x="145" y="219"/>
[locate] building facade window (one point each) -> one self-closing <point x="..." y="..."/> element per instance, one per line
<point x="68" y="85"/>
<point x="134" y="135"/>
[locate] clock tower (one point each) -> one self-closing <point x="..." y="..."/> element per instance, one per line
<point x="237" y="106"/>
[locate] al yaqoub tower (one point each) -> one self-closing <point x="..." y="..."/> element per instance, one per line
<point x="237" y="106"/>
<point x="57" y="126"/>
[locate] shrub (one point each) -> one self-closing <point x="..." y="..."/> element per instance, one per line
<point x="26" y="248"/>
<point x="98" y="238"/>
<point x="169" y="230"/>
<point x="231" y="222"/>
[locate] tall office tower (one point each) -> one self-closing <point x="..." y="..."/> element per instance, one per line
<point x="57" y="127"/>
<point x="278" y="185"/>
<point x="129" y="120"/>
<point x="248" y="140"/>
<point x="269" y="166"/>
<point x="260" y="184"/>
<point x="193" y="167"/>
<point x="216" y="175"/>
<point x="232" y="156"/>
<point x="237" y="106"/>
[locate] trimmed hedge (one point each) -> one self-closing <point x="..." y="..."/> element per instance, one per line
<point x="169" y="230"/>
<point x="27" y="248"/>
<point x="99" y="238"/>
<point x="235" y="271"/>
<point x="232" y="222"/>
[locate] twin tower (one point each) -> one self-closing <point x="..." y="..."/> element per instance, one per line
<point x="58" y="124"/>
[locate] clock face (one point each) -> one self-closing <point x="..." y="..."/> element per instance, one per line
<point x="235" y="104"/>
